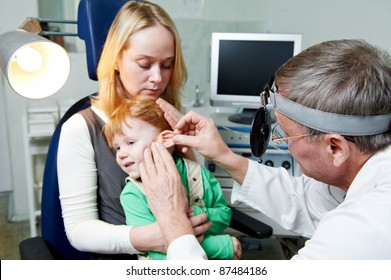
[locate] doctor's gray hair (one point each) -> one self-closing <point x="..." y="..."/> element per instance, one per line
<point x="350" y="77"/>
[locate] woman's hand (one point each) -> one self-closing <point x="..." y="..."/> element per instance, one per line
<point x="165" y="193"/>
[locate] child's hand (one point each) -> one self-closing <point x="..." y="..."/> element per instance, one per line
<point x="237" y="248"/>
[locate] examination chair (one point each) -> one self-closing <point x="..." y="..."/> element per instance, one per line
<point x="94" y="20"/>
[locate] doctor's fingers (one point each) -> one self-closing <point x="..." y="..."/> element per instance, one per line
<point x="149" y="161"/>
<point x="186" y="141"/>
<point x="147" y="168"/>
<point x="171" y="114"/>
<point x="153" y="169"/>
<point x="164" y="105"/>
<point x="164" y="161"/>
<point x="192" y="122"/>
<point x="173" y="117"/>
<point x="152" y="182"/>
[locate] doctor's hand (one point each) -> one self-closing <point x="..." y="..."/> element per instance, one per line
<point x="165" y="193"/>
<point x="172" y="115"/>
<point x="200" y="132"/>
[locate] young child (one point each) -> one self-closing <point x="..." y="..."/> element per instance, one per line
<point x="132" y="128"/>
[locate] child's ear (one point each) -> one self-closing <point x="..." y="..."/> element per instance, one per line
<point x="165" y="137"/>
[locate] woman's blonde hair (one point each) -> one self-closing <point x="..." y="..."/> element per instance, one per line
<point x="143" y="109"/>
<point x="132" y="17"/>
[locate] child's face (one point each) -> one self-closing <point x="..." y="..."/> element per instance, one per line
<point x="130" y="146"/>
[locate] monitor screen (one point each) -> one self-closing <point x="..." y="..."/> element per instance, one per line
<point x="242" y="63"/>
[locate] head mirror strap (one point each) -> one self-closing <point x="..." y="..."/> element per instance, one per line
<point x="329" y="122"/>
<point x="263" y="96"/>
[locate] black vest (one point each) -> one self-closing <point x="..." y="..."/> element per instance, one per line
<point x="111" y="178"/>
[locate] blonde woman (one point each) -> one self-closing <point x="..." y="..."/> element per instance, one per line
<point x="141" y="58"/>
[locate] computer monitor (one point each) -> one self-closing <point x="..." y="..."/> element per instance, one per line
<point x="242" y="63"/>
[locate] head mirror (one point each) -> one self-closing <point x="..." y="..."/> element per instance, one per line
<point x="260" y="132"/>
<point x="261" y="125"/>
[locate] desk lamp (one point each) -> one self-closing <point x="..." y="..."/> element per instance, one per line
<point x="34" y="66"/>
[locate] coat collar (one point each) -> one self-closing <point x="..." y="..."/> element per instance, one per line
<point x="376" y="168"/>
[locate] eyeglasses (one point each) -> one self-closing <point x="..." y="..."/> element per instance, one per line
<point x="277" y="135"/>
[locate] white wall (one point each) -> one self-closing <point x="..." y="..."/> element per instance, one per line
<point x="12" y="14"/>
<point x="5" y="167"/>
<point x="317" y="20"/>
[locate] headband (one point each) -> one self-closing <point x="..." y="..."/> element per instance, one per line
<point x="350" y="125"/>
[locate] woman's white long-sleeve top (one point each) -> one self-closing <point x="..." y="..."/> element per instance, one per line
<point x="77" y="176"/>
<point x="355" y="225"/>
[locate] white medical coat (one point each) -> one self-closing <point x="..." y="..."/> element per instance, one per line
<point x="355" y="225"/>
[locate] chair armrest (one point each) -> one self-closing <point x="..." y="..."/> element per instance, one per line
<point x="249" y="225"/>
<point x="34" y="248"/>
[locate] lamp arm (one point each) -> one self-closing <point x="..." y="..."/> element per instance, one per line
<point x="33" y="25"/>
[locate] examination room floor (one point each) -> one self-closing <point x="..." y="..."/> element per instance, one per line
<point x="11" y="233"/>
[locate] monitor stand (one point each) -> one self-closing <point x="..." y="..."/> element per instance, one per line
<point x="245" y="117"/>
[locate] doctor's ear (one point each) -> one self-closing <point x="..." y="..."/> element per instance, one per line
<point x="338" y="148"/>
<point x="165" y="137"/>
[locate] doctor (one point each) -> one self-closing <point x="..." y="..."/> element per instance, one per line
<point x="333" y="106"/>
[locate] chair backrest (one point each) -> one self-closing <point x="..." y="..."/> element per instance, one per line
<point x="52" y="225"/>
<point x="94" y="20"/>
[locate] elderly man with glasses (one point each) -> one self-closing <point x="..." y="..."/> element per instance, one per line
<point x="333" y="106"/>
